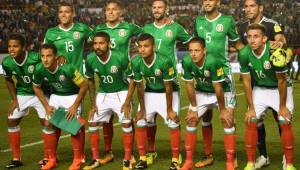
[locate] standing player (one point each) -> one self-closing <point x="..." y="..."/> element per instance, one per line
<point x="217" y="30"/>
<point x="160" y="76"/>
<point x="165" y="36"/>
<point x="120" y="35"/>
<point x="207" y="86"/>
<point x="69" y="39"/>
<point x="20" y="64"/>
<point x="110" y="67"/>
<point x="69" y="88"/>
<point x="274" y="33"/>
<point x="269" y="82"/>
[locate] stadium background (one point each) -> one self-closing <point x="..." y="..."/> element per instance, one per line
<point x="34" y="17"/>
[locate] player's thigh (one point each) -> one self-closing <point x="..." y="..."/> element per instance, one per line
<point x="260" y="101"/>
<point x="38" y="106"/>
<point x="104" y="110"/>
<point x="152" y="103"/>
<point x="205" y="102"/>
<point x="116" y="106"/>
<point x="58" y="101"/>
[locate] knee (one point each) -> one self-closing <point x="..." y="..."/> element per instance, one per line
<point x="13" y="122"/>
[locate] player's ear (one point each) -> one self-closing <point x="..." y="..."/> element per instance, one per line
<point x="261" y="8"/>
<point x="265" y="38"/>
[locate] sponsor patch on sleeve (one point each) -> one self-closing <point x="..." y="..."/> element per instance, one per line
<point x="277" y="28"/>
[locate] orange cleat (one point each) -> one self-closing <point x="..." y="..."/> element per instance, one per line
<point x="76" y="164"/>
<point x="188" y="165"/>
<point x="51" y="163"/>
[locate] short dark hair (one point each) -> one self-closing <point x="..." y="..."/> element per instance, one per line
<point x="119" y="3"/>
<point x="49" y="46"/>
<point x="146" y="36"/>
<point x="197" y="40"/>
<point x="18" y="37"/>
<point x="255" y="26"/>
<point x="64" y="3"/>
<point x="258" y="2"/>
<point x="104" y="35"/>
<point x="164" y="1"/>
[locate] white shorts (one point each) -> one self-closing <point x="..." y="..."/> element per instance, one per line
<point x="206" y="101"/>
<point x="63" y="101"/>
<point x="264" y="98"/>
<point x="108" y="103"/>
<point x="25" y="102"/>
<point x="157" y="103"/>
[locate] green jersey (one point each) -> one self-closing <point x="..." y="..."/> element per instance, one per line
<point x="64" y="80"/>
<point x="120" y="35"/>
<point x="165" y="38"/>
<point x="263" y="73"/>
<point x="111" y="72"/>
<point x="161" y="69"/>
<point x="69" y="42"/>
<point x="22" y="72"/>
<point x="210" y="72"/>
<point x="216" y="34"/>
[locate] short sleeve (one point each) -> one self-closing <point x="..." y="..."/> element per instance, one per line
<point x="135" y="69"/>
<point x="6" y="71"/>
<point x="182" y="34"/>
<point x="73" y="73"/>
<point x="135" y="29"/>
<point x="244" y="61"/>
<point x="187" y="70"/>
<point x="37" y="77"/>
<point x="232" y="32"/>
<point x="89" y="71"/>
<point x="217" y="72"/>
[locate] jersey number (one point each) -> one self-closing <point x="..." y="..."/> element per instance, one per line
<point x="159" y="43"/>
<point x="113" y="43"/>
<point x="107" y="79"/>
<point x="69" y="46"/>
<point x="260" y="74"/>
<point x="151" y="80"/>
<point x="26" y="79"/>
<point x="208" y="37"/>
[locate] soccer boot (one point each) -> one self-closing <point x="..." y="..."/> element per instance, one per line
<point x="50" y="164"/>
<point x="150" y="157"/>
<point x="14" y="164"/>
<point x="188" y="165"/>
<point x="127" y="165"/>
<point x="94" y="164"/>
<point x="141" y="165"/>
<point x="174" y="165"/>
<point x="249" y="166"/>
<point x="229" y="165"/>
<point x="43" y="162"/>
<point x="207" y="161"/>
<point x="108" y="157"/>
<point x="290" y="167"/>
<point x="236" y="165"/>
<point x="132" y="160"/>
<point x="283" y="162"/>
<point x="76" y="164"/>
<point x="261" y="161"/>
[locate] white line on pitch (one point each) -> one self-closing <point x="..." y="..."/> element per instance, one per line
<point x="66" y="136"/>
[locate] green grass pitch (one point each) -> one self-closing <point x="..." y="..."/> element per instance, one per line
<point x="31" y="134"/>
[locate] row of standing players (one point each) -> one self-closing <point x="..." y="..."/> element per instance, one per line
<point x="69" y="85"/>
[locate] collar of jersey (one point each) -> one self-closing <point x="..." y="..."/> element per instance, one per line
<point x="262" y="19"/>
<point x="113" y="26"/>
<point x="201" y="67"/>
<point x="26" y="55"/>
<point x="53" y="72"/>
<point x="220" y="14"/>
<point x="258" y="57"/>
<point x="149" y="66"/>
<point x="159" y="27"/>
<point x="104" y="62"/>
<point x="68" y="29"/>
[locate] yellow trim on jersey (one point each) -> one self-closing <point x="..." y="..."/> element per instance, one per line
<point x="78" y="78"/>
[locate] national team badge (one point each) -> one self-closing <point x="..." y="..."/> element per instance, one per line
<point x="267" y="65"/>
<point x="122" y="33"/>
<point x="31" y="69"/>
<point x="113" y="69"/>
<point x="62" y="78"/>
<point x="220" y="28"/>
<point x="157" y="72"/>
<point x="76" y="35"/>
<point x="206" y="73"/>
<point x="169" y="33"/>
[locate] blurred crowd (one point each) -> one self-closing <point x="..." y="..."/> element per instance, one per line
<point x="34" y="17"/>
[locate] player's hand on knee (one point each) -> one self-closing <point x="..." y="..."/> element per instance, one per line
<point x="72" y="111"/>
<point x="285" y="113"/>
<point x="226" y="117"/>
<point x="13" y="105"/>
<point x="126" y="109"/>
<point x="172" y="116"/>
<point x="49" y="110"/>
<point x="140" y="115"/>
<point x="192" y="116"/>
<point x="250" y="114"/>
<point x="92" y="112"/>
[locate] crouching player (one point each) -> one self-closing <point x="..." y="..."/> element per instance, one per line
<point x="110" y="66"/>
<point x="69" y="88"/>
<point x="271" y="89"/>
<point x="160" y="96"/>
<point x="213" y="88"/>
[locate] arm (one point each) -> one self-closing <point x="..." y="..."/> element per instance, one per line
<point x="250" y="114"/>
<point x="239" y="45"/>
<point x="12" y="92"/>
<point x="92" y="91"/>
<point x="126" y="107"/>
<point x="282" y="88"/>
<point x="141" y="114"/>
<point x="169" y="97"/>
<point x="219" y="94"/>
<point x="191" y="92"/>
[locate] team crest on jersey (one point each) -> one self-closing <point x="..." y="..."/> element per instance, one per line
<point x="220" y="28"/>
<point x="31" y="69"/>
<point x="206" y="73"/>
<point x="267" y="65"/>
<point x="76" y="35"/>
<point x="62" y="78"/>
<point x="122" y="33"/>
<point x="157" y="72"/>
<point x="169" y="33"/>
<point x="113" y="69"/>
